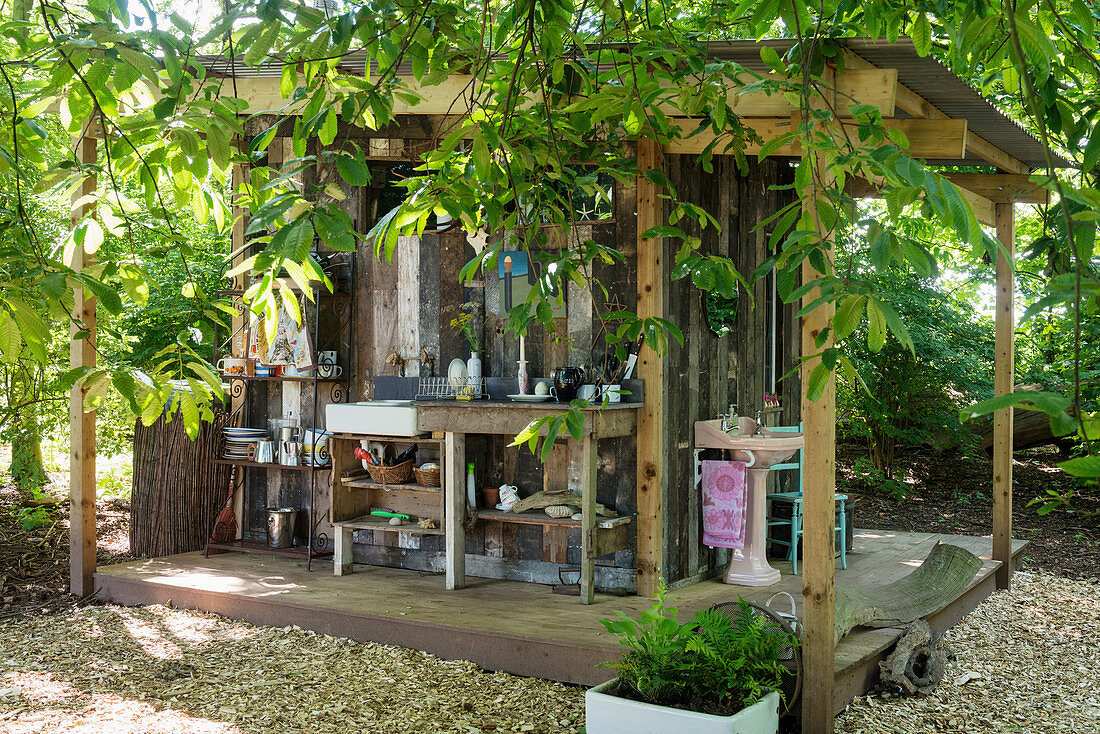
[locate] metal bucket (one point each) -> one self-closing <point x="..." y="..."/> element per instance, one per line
<point x="280" y="526"/>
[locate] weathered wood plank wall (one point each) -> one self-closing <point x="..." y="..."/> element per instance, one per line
<point x="710" y="372"/>
<point x="408" y="304"/>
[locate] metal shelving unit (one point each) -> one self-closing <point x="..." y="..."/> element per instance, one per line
<point x="340" y="303"/>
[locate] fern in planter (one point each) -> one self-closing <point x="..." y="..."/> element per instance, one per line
<point x="713" y="664"/>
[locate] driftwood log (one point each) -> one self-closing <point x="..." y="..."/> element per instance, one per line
<point x="542" y="499"/>
<point x="918" y="662"/>
<point x="1030" y="428"/>
<point x="177" y="487"/>
<point x="943" y="575"/>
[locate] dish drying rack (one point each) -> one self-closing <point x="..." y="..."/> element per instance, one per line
<point x="444" y="388"/>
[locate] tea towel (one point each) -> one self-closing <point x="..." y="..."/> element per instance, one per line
<point x="724" y="495"/>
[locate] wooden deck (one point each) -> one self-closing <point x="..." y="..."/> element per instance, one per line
<point x="504" y="625"/>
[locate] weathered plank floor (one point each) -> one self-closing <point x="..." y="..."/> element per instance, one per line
<point x="503" y="625"/>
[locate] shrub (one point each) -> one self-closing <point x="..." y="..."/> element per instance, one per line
<point x="715" y="663"/>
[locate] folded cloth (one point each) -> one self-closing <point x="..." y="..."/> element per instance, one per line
<point x="724" y="495"/>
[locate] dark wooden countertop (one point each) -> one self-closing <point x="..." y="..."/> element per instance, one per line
<point x="505" y="417"/>
<point x="547" y="406"/>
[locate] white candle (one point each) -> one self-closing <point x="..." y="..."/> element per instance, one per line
<point x="521" y="355"/>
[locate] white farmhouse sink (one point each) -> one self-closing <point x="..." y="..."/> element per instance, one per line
<point x="379" y="417"/>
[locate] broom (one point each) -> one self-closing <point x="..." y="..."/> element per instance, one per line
<point x="225" y="525"/>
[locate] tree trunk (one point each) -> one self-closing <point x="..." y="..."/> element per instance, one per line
<point x="28" y="470"/>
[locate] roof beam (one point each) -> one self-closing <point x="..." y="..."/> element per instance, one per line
<point x="1001" y="188"/>
<point x="876" y="87"/>
<point x="917" y="106"/>
<point x="984" y="209"/>
<point x="927" y="138"/>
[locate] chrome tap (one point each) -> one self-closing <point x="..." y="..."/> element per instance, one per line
<point x="759" y="423"/>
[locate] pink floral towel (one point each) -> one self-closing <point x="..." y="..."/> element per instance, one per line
<point x="724" y="504"/>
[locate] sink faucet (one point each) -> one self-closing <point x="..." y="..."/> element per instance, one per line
<point x="759" y="423"/>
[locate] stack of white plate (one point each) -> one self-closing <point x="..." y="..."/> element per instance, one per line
<point x="238" y="441"/>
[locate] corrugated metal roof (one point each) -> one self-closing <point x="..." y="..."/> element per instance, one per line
<point x="928" y="78"/>
<point x="954" y="97"/>
<point x="924" y="75"/>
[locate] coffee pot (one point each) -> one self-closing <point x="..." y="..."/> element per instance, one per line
<point x="290" y="453"/>
<point x="567" y="381"/>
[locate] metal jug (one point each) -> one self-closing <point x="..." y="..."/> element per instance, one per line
<point x="262" y="452"/>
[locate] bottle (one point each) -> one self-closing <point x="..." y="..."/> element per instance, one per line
<point x="473" y="369"/>
<point x="471" y="485"/>
<point x="473" y="376"/>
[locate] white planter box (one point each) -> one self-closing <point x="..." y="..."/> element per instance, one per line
<point x="606" y="714"/>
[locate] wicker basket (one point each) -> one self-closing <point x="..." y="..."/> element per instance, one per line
<point x="399" y="474"/>
<point x="427" y="477"/>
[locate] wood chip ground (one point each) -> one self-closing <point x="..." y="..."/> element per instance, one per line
<point x="1027" y="662"/>
<point x="156" y="669"/>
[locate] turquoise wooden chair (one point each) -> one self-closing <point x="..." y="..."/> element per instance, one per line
<point x="794" y="522"/>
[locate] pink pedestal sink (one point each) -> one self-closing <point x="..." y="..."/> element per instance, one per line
<point x="749" y="567"/>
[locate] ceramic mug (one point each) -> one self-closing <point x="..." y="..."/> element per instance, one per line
<point x="316" y="455"/>
<point x="509" y="496"/>
<point x="266" y="370"/>
<point x="234" y="365"/>
<point x="612" y="393"/>
<point x="587" y="392"/>
<point x="324" y="369"/>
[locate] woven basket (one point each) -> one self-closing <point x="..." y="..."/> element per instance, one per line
<point x="399" y="474"/>
<point x="426" y="477"/>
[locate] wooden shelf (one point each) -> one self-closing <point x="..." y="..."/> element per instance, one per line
<point x="541" y="518"/>
<point x="300" y="467"/>
<point x="368" y="522"/>
<point x="370" y="484"/>
<point x="283" y="378"/>
<point x="258" y="546"/>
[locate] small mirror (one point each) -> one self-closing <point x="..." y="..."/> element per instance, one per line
<point x="721" y="312"/>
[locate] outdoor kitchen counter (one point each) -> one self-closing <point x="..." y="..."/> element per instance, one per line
<point x="499" y="417"/>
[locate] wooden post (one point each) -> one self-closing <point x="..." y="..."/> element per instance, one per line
<point x="589" y="463"/>
<point x="651" y="369"/>
<point x="1004" y="377"/>
<point x="818" y="535"/>
<point x="82" y="541"/>
<point x="454" y="489"/>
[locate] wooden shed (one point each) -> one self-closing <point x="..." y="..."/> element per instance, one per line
<point x="390" y="324"/>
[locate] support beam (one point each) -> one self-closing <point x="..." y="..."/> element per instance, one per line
<point x="651" y="369"/>
<point x="859" y="188"/>
<point x="913" y="104"/>
<point x="1001" y="187"/>
<point x="82" y="541"/>
<point x="927" y="138"/>
<point x="453" y="95"/>
<point x="1004" y="377"/>
<point x="819" y="487"/>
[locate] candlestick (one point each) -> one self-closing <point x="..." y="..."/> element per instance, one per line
<point x="521" y="376"/>
<point x="522" y="356"/>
